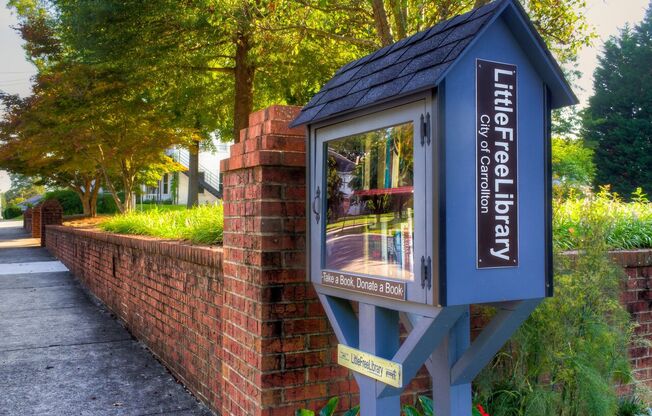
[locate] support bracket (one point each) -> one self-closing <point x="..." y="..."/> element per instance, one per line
<point x="509" y="317"/>
<point x="425" y="336"/>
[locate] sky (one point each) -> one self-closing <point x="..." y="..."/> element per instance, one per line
<point x="606" y="16"/>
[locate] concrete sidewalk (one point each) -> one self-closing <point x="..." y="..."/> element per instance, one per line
<point x="60" y="354"/>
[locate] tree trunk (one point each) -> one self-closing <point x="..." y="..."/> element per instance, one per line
<point x="114" y="193"/>
<point x="380" y="20"/>
<point x="400" y="19"/>
<point x="86" y="205"/>
<point x="93" y="200"/>
<point x="193" y="175"/>
<point x="84" y="197"/>
<point x="129" y="201"/>
<point x="480" y="3"/>
<point x="128" y="184"/>
<point x="244" y="86"/>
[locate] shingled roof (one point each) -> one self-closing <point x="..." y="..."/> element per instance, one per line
<point x="413" y="64"/>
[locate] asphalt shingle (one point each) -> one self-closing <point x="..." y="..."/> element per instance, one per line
<point x="412" y="64"/>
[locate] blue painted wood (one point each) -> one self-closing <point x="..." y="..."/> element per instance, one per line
<point x="465" y="284"/>
<point x="409" y="320"/>
<point x="378" y="336"/>
<point x="342" y="318"/>
<point x="425" y="336"/>
<point x="344" y="321"/>
<point x="491" y="339"/>
<point x="451" y="400"/>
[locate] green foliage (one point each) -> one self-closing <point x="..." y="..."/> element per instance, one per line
<point x="22" y="188"/>
<point x="627" y="225"/>
<point x="201" y="225"/>
<point x="355" y="411"/>
<point x="106" y="204"/>
<point x="632" y="406"/>
<point x="11" y="212"/>
<point x="618" y="120"/>
<point x="422" y="408"/>
<point x="68" y="199"/>
<point x="568" y="356"/>
<point x="572" y="163"/>
<point x="329" y="409"/>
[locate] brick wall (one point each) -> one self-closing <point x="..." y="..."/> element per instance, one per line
<point x="277" y="340"/>
<point x="279" y="349"/>
<point x="51" y="214"/>
<point x="169" y="295"/>
<point x="36" y="222"/>
<point x="637" y="298"/>
<point x="239" y="325"/>
<point x="248" y="336"/>
<point x="27" y="220"/>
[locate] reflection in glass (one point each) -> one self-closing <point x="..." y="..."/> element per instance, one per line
<point x="370" y="203"/>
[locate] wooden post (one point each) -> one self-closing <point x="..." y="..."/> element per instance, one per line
<point x="379" y="335"/>
<point x="450" y="400"/>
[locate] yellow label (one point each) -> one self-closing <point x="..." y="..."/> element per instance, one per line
<point x="380" y="369"/>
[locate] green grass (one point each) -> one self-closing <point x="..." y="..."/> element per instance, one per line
<point x="159" y="207"/>
<point x="628" y="224"/>
<point x="199" y="225"/>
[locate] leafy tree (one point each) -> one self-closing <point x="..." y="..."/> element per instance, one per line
<point x="180" y="71"/>
<point x="618" y="120"/>
<point x="22" y="188"/>
<point x="93" y="116"/>
<point x="29" y="146"/>
<point x="572" y="163"/>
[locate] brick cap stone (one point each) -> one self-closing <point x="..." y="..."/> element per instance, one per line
<point x="624" y="258"/>
<point x="204" y="255"/>
<point x="274" y="112"/>
<point x="51" y="205"/>
<point x="268" y="141"/>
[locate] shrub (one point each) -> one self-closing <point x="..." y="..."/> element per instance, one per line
<point x="329" y="410"/>
<point x="106" y="204"/>
<point x="68" y="199"/>
<point x="201" y="225"/>
<point x="567" y="357"/>
<point x="422" y="408"/>
<point x="632" y="406"/>
<point x="12" y="212"/>
<point x="627" y="225"/>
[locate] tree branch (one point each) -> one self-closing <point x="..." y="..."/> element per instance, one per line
<point x="381" y="22"/>
<point x="213" y="69"/>
<point x="323" y="33"/>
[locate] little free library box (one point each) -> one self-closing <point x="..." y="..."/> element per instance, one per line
<point x="430" y="187"/>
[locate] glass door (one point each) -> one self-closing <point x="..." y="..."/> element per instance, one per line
<point x="370" y="174"/>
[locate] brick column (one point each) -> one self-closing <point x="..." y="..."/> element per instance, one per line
<point x="36" y="221"/>
<point x="51" y="214"/>
<point x="27" y="220"/>
<point x="278" y="348"/>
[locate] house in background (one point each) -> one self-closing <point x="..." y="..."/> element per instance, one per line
<point x="173" y="187"/>
<point x="30" y="202"/>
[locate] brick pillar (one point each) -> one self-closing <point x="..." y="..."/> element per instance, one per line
<point x="36" y="221"/>
<point x="27" y="220"/>
<point x="51" y="214"/>
<point x="278" y="348"/>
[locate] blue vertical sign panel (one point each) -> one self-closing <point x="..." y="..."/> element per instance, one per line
<point x="485" y="261"/>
